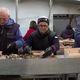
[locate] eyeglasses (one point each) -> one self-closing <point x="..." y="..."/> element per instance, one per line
<point x="43" y="25"/>
<point x="2" y="18"/>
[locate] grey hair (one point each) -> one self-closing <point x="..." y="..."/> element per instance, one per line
<point x="4" y="10"/>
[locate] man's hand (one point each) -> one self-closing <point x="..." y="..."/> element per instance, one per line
<point x="11" y="48"/>
<point x="27" y="50"/>
<point x="47" y="52"/>
<point x="20" y="50"/>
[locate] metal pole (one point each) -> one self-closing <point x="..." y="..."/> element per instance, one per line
<point x="50" y="7"/>
<point x="50" y="14"/>
<point x="16" y="11"/>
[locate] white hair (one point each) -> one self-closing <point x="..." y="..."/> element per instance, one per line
<point x="4" y="10"/>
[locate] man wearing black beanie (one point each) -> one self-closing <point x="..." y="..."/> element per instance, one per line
<point x="43" y="39"/>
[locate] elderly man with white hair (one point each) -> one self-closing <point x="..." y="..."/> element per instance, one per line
<point x="10" y="35"/>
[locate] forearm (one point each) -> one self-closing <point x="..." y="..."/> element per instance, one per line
<point x="55" y="47"/>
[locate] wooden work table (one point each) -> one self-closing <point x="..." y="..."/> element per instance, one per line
<point x="37" y="66"/>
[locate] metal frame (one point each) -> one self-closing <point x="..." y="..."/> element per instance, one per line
<point x="16" y="10"/>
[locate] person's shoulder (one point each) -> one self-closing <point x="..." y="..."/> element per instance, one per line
<point x="77" y="26"/>
<point x="16" y="24"/>
<point x="77" y="29"/>
<point x="53" y="34"/>
<point x="34" y="33"/>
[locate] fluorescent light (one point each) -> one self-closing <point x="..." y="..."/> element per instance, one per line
<point x="77" y="0"/>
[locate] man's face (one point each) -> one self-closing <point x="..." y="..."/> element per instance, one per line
<point x="3" y="18"/>
<point x="43" y="27"/>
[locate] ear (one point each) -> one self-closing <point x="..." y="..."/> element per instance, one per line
<point x="9" y="16"/>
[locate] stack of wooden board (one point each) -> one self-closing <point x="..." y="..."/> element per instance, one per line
<point x="72" y="52"/>
<point x="66" y="43"/>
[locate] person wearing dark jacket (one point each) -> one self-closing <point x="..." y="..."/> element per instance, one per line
<point x="32" y="28"/>
<point x="43" y="39"/>
<point x="77" y="36"/>
<point x="10" y="36"/>
<point x="68" y="33"/>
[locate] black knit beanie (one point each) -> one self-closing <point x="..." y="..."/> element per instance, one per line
<point x="43" y="20"/>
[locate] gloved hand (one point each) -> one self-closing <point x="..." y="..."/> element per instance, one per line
<point x="27" y="50"/>
<point x="20" y="50"/>
<point x="47" y="52"/>
<point x="11" y="48"/>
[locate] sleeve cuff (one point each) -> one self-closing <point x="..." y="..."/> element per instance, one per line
<point x="19" y="43"/>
